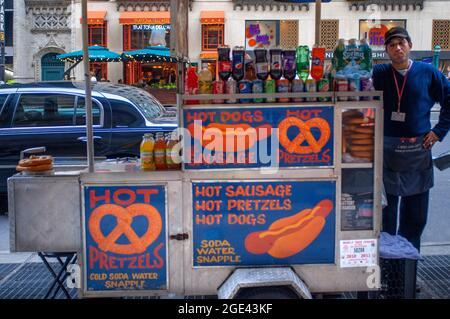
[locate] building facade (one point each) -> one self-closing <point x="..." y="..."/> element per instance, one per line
<point x="44" y="29"/>
<point x="8" y="10"/>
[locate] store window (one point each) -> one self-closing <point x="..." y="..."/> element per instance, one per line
<point x="329" y="33"/>
<point x="441" y="34"/>
<point x="97" y="35"/>
<point x="148" y="74"/>
<point x="212" y="36"/>
<point x="289" y="33"/>
<point x="9" y="4"/>
<point x="139" y="36"/>
<point x="262" y="34"/>
<point x="373" y="31"/>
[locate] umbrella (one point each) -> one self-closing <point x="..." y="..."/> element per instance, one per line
<point x="96" y="54"/>
<point x="150" y="54"/>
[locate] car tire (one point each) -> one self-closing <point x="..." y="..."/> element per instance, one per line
<point x="272" y="292"/>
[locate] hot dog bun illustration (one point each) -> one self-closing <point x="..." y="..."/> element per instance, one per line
<point x="241" y="136"/>
<point x="290" y="235"/>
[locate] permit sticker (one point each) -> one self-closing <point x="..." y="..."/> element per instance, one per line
<point x="358" y="253"/>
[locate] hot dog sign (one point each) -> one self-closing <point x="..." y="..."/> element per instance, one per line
<point x="263" y="222"/>
<point x="258" y="137"/>
<point x="124" y="241"/>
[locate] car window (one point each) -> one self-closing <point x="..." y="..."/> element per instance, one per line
<point x="34" y="110"/>
<point x="3" y="98"/>
<point x="80" y="116"/>
<point x="148" y="105"/>
<point x="125" y="114"/>
<point x="3" y="115"/>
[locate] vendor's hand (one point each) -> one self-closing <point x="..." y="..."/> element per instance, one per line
<point x="429" y="140"/>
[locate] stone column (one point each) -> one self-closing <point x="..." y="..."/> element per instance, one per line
<point x="23" y="60"/>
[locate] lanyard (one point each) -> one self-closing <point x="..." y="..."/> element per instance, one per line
<point x="400" y="92"/>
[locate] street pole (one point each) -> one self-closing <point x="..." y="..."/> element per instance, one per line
<point x="87" y="79"/>
<point x="2" y="41"/>
<point x="179" y="10"/>
<point x="318" y="19"/>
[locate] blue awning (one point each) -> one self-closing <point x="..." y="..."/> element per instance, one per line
<point x="96" y="54"/>
<point x="150" y="54"/>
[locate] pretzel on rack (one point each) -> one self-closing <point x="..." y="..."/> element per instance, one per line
<point x="35" y="160"/>
<point x="36" y="163"/>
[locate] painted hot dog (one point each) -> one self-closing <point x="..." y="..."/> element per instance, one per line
<point x="290" y="235"/>
<point x="241" y="136"/>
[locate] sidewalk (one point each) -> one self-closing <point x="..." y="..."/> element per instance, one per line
<point x="24" y="276"/>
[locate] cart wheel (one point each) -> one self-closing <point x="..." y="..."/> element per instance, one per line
<point x="272" y="292"/>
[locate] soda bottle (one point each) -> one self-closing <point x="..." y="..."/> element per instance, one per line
<point x="224" y="62"/>
<point x="366" y="63"/>
<point x="283" y="86"/>
<point x="338" y="56"/>
<point x="311" y="86"/>
<point x="231" y="88"/>
<point x="160" y="151"/>
<point x="270" y="87"/>
<point x="289" y="64"/>
<point x="303" y="62"/>
<point x="205" y="83"/>
<point x="146" y="150"/>
<point x="173" y="158"/>
<point x="323" y="85"/>
<point x="262" y="65"/>
<point x="258" y="87"/>
<point x="249" y="72"/>
<point x="297" y="86"/>
<point x="318" y="61"/>
<point x="276" y="64"/>
<point x="191" y="86"/>
<point x="218" y="88"/>
<point x="351" y="52"/>
<point x="237" y="71"/>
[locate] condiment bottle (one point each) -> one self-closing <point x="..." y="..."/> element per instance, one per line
<point x="146" y="150"/>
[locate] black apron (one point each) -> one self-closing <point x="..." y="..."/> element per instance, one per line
<point x="407" y="166"/>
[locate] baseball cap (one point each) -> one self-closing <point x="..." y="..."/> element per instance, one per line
<point x="396" y="32"/>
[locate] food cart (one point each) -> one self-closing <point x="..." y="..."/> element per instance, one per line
<point x="292" y="209"/>
<point x="196" y="231"/>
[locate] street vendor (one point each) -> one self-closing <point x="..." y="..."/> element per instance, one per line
<point x="410" y="90"/>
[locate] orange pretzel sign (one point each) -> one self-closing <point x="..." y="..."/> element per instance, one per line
<point x="294" y="146"/>
<point x="124" y="218"/>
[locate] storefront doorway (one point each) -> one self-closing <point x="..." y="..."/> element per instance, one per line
<point x="151" y="74"/>
<point x="52" y="68"/>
